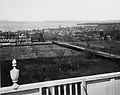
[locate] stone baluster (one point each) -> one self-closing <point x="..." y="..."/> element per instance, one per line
<point x="14" y="73"/>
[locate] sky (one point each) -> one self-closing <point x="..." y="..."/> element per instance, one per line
<point x="57" y="10"/>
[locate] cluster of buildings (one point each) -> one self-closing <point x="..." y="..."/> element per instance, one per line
<point x="80" y="32"/>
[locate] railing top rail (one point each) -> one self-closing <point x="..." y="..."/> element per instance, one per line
<point x="80" y="79"/>
<point x="59" y="82"/>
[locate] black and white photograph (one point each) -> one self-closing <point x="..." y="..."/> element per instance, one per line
<point x="59" y="47"/>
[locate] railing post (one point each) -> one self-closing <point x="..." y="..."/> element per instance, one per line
<point x="113" y="86"/>
<point x="83" y="88"/>
<point x="14" y="73"/>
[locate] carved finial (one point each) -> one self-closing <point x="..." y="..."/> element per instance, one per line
<point x="14" y="73"/>
<point x="14" y="63"/>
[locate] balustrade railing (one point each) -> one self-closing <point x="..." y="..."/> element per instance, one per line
<point x="103" y="84"/>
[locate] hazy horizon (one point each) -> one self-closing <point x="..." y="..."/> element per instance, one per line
<point x="22" y="25"/>
<point x="28" y="14"/>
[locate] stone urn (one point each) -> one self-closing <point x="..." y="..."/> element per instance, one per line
<point x="14" y="73"/>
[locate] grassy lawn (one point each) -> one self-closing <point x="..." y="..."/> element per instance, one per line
<point x="36" y="51"/>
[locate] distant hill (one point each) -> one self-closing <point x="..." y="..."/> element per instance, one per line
<point x="18" y="25"/>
